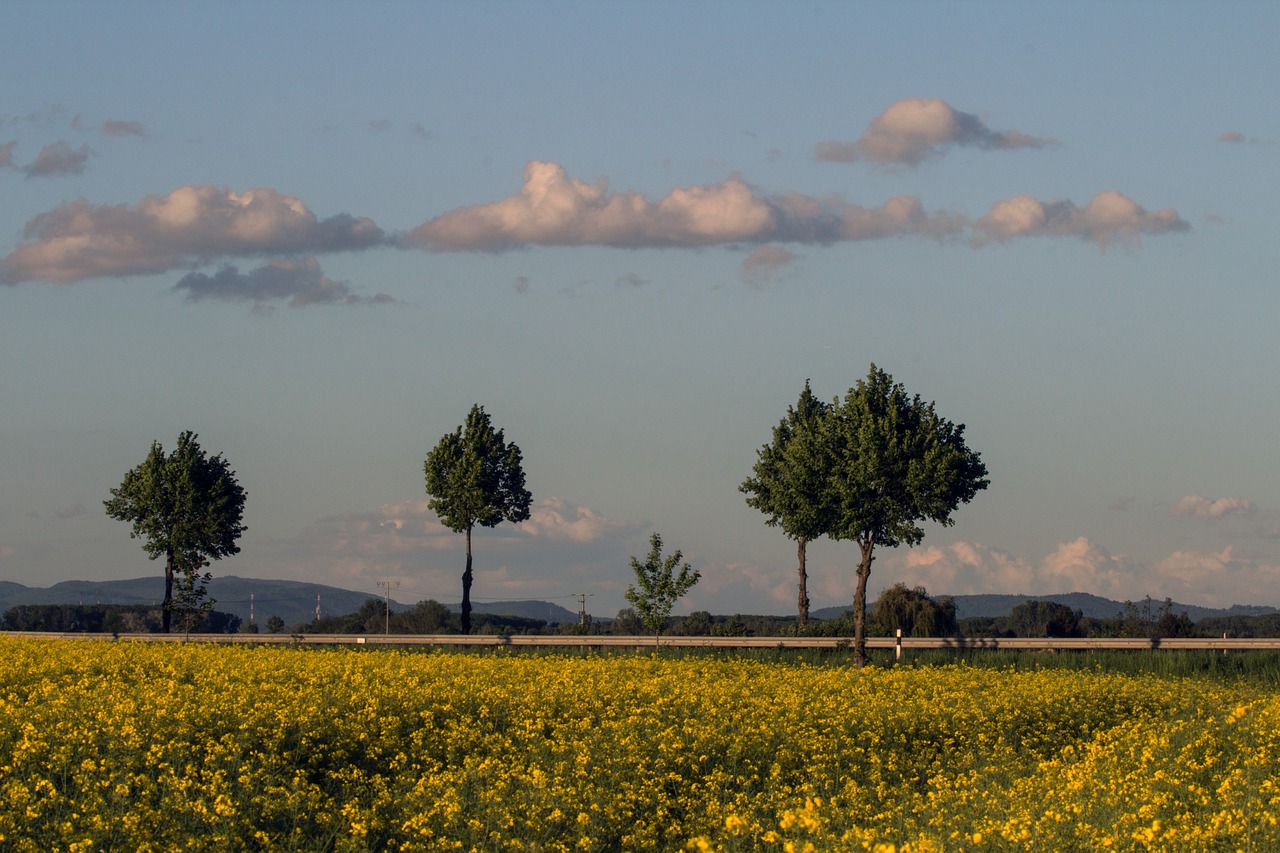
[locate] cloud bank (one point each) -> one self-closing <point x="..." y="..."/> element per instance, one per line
<point x="1109" y="217"/>
<point x="190" y="226"/>
<point x="917" y="129"/>
<point x="1194" y="506"/>
<point x="553" y="209"/>
<point x="1215" y="579"/>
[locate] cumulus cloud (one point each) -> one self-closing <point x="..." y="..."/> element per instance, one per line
<point x="762" y="263"/>
<point x="190" y="226"/>
<point x="968" y="568"/>
<point x="1109" y="217"/>
<point x="916" y="129"/>
<point x="1233" y="137"/>
<point x="58" y="158"/>
<point x="554" y="519"/>
<point x="299" y="280"/>
<point x="1194" y="506"/>
<point x="553" y="209"/>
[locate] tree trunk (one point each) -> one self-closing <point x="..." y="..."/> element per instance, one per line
<point x="166" y="612"/>
<point x="466" y="588"/>
<point x="803" y="603"/>
<point x="860" y="604"/>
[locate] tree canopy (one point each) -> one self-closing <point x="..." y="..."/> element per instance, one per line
<point x="895" y="464"/>
<point x="188" y="507"/>
<point x="658" y="585"/>
<point x="789" y="481"/>
<point x="475" y="477"/>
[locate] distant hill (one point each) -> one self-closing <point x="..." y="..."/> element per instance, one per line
<point x="1097" y="607"/>
<point x="293" y="601"/>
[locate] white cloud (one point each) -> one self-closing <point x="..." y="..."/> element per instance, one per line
<point x="1109" y="217"/>
<point x="189" y="226"/>
<point x="916" y="129"/>
<point x="553" y="519"/>
<point x="966" y="568"/>
<point x="553" y="209"/>
<point x="1194" y="506"/>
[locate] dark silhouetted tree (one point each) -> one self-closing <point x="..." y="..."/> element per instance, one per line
<point x="475" y="477"/>
<point x="789" y="481"/>
<point x="188" y="507"/>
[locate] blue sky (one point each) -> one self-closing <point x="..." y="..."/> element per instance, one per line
<point x="317" y="233"/>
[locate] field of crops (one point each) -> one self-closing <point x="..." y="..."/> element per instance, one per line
<point x="114" y="745"/>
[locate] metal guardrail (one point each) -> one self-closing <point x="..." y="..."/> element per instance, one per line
<point x="612" y="641"/>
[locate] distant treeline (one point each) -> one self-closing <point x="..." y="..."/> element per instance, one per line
<point x="106" y="619"/>
<point x="913" y="611"/>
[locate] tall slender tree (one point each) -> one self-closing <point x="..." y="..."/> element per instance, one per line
<point x="896" y="463"/>
<point x="188" y="506"/>
<point x="789" y="481"/>
<point x="475" y="477"/>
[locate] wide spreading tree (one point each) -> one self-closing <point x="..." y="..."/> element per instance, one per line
<point x="475" y="477"/>
<point x="895" y="464"/>
<point x="188" y="506"/>
<point x="869" y="468"/>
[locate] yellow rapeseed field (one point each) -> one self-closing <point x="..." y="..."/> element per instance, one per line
<point x="156" y="747"/>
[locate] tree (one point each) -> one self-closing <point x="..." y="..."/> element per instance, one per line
<point x="895" y="463"/>
<point x="914" y="612"/>
<point x="475" y="477"/>
<point x="789" y="481"/>
<point x="659" y="586"/>
<point x="188" y="506"/>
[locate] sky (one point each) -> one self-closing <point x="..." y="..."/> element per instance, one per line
<point x="316" y="234"/>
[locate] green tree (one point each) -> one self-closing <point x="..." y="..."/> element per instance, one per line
<point x="789" y="481"/>
<point x="895" y="463"/>
<point x="274" y="624"/>
<point x="660" y="586"/>
<point x="475" y="477"/>
<point x="188" y="506"/>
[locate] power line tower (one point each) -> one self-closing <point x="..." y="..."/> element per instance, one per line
<point x="582" y="606"/>
<point x="386" y="596"/>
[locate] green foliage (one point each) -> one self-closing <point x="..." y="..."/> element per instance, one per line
<point x="188" y="507"/>
<point x="475" y="477"/>
<point x="1045" y="619"/>
<point x="107" y="619"/>
<point x="274" y="624"/>
<point x="895" y="463"/>
<point x="914" y="612"/>
<point x="789" y="481"/>
<point x="659" y="585"/>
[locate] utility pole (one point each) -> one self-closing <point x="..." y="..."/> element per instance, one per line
<point x="582" y="606"/>
<point x="386" y="595"/>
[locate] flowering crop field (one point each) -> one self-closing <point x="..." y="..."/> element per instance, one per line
<point x="117" y="745"/>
